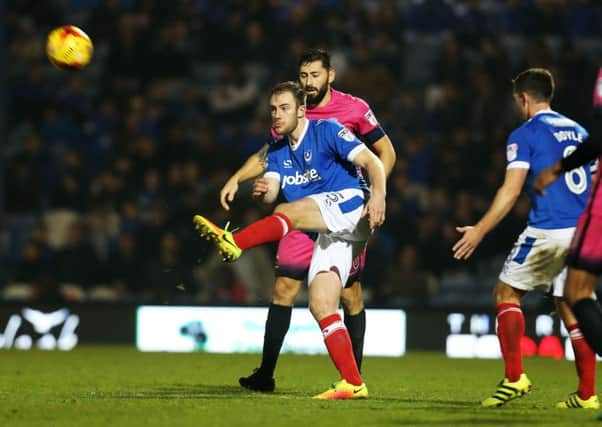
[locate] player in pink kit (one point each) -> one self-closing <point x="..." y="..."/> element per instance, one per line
<point x="295" y="249"/>
<point x="585" y="255"/>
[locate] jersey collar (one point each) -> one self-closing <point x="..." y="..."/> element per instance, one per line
<point x="300" y="140"/>
<point x="546" y="111"/>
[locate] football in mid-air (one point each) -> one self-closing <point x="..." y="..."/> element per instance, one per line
<point x="68" y="47"/>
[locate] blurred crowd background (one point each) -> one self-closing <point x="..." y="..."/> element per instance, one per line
<point x="102" y="169"/>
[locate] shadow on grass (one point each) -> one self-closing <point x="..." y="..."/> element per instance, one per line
<point x="188" y="391"/>
<point x="221" y="391"/>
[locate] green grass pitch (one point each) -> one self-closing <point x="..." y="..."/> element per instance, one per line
<point x="118" y="386"/>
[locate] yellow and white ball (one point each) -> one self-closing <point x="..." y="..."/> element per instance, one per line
<point x="68" y="47"/>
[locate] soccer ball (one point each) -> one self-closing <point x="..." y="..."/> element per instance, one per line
<point x="68" y="47"/>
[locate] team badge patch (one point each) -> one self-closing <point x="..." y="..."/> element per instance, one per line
<point x="307" y="156"/>
<point x="346" y="134"/>
<point x="371" y="119"/>
<point x="511" y="152"/>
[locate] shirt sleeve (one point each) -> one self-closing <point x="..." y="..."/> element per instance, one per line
<point x="518" y="154"/>
<point x="342" y="141"/>
<point x="272" y="170"/>
<point x="368" y="126"/>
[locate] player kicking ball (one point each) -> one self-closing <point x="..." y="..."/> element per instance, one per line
<point x="538" y="256"/>
<point x="315" y="167"/>
<point x="293" y="257"/>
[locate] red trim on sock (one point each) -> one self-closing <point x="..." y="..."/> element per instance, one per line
<point x="329" y="320"/>
<point x="286" y="219"/>
<point x="511" y="328"/>
<point x="585" y="363"/>
<point x="339" y="347"/>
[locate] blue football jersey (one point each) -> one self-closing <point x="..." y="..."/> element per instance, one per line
<point x="537" y="144"/>
<point x="320" y="162"/>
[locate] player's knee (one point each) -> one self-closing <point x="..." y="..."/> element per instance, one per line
<point x="320" y="309"/>
<point x="285" y="209"/>
<point x="285" y="291"/>
<point x="291" y="211"/>
<point x="506" y="294"/>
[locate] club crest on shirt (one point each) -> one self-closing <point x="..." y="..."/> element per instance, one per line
<point x="287" y="164"/>
<point x="307" y="156"/>
<point x="371" y="118"/>
<point x="346" y="134"/>
<point x="511" y="152"/>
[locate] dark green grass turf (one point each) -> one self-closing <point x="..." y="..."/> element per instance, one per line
<point x="117" y="386"/>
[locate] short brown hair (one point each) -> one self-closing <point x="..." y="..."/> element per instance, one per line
<point x="537" y="82"/>
<point x="294" y="88"/>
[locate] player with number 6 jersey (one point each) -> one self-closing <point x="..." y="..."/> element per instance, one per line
<point x="541" y="141"/>
<point x="538" y="257"/>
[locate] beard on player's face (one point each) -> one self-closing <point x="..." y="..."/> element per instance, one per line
<point x="315" y="95"/>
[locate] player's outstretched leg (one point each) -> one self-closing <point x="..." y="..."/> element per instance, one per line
<point x="268" y="229"/>
<point x="222" y="238"/>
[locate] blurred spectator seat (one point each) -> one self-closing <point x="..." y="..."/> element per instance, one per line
<point x="103" y="293"/>
<point x="57" y="222"/>
<point x="18" y="292"/>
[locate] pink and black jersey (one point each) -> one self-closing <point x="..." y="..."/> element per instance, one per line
<point x="353" y="113"/>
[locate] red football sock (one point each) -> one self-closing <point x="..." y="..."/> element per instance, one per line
<point x="510" y="329"/>
<point x="269" y="229"/>
<point x="339" y="347"/>
<point x="585" y="362"/>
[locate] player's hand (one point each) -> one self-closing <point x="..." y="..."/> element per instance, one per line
<point x="464" y="247"/>
<point x="228" y="192"/>
<point x="260" y="188"/>
<point x="375" y="209"/>
<point x="546" y="177"/>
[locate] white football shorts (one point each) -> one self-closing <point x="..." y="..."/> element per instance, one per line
<point x="342" y="211"/>
<point x="332" y="251"/>
<point x="537" y="260"/>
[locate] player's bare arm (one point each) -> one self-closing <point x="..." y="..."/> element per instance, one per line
<point x="503" y="202"/>
<point x="375" y="207"/>
<point x="253" y="167"/>
<point x="383" y="148"/>
<point x="266" y="189"/>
